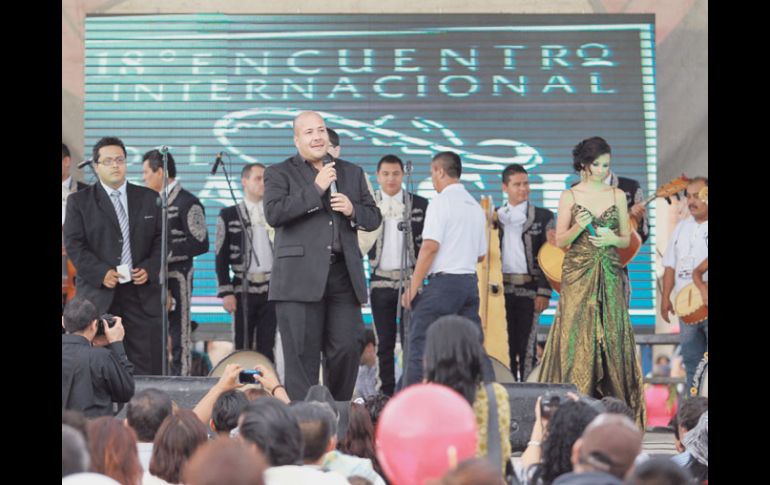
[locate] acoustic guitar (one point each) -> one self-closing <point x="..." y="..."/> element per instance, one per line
<point x="551" y="257"/>
<point x="67" y="275"/>
<point x="491" y="297"/>
<point x="689" y="306"/>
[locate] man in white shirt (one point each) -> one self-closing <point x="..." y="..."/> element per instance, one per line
<point x="524" y="229"/>
<point x="250" y="250"/>
<point x="687" y="248"/>
<point x="454" y="240"/>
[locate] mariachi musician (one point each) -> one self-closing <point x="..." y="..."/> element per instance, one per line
<point x="524" y="228"/>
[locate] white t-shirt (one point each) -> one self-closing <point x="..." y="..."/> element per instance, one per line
<point x="456" y="221"/>
<point x="687" y="248"/>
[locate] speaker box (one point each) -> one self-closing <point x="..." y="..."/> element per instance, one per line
<point x="185" y="391"/>
<point x="522" y="398"/>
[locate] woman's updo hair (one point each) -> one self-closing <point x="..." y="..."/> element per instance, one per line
<point x="587" y="151"/>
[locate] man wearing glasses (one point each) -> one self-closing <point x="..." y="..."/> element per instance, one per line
<point x="112" y="233"/>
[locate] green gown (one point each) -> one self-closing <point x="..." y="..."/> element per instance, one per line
<point x="591" y="342"/>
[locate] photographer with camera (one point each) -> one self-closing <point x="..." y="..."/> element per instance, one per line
<point x="95" y="371"/>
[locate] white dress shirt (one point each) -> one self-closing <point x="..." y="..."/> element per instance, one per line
<point x="512" y="218"/>
<point x="65" y="192"/>
<point x="259" y="238"/>
<point x="456" y="221"/>
<point x="392" y="209"/>
<point x="687" y="248"/>
<point x="123" y="196"/>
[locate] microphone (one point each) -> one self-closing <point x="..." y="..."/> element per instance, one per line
<point x="84" y="163"/>
<point x="217" y="163"/>
<point x="408" y="166"/>
<point x="327" y="159"/>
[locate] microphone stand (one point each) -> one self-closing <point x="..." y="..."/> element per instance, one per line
<point x="245" y="235"/>
<point x="164" y="261"/>
<point x="405" y="226"/>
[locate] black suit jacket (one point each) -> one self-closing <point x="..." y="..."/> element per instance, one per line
<point x="188" y="235"/>
<point x="92" y="238"/>
<point x="303" y="228"/>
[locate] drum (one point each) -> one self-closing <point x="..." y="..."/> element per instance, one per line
<point x="700" y="382"/>
<point x="689" y="305"/>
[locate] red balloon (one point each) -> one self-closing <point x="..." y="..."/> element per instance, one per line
<point x="422" y="432"/>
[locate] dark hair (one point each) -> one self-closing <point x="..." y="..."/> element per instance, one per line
<point x="660" y="471"/>
<point x="587" y="151"/>
<point x="334" y="138"/>
<point x="511" y="170"/>
<point x="105" y="142"/>
<point x="246" y="170"/>
<point x="65" y="152"/>
<point x="375" y="404"/>
<point x="113" y="450"/>
<point x="390" y="159"/>
<point x="369" y="337"/>
<point x="78" y="314"/>
<point x="690" y="412"/>
<point x="225" y="461"/>
<point x="450" y="162"/>
<point x="614" y="405"/>
<point x="146" y="411"/>
<point x="74" y="451"/>
<point x="565" y="427"/>
<point x="76" y="420"/>
<point x="227" y="410"/>
<point x="453" y="355"/>
<point x="177" y="439"/>
<point x="155" y="160"/>
<point x="359" y="440"/>
<point x="268" y="423"/>
<point x="318" y="425"/>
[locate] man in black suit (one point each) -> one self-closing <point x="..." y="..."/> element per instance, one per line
<point x="318" y="279"/>
<point x="188" y="237"/>
<point x="113" y="225"/>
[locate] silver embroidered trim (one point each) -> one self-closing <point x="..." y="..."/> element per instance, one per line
<point x="196" y="221"/>
<point x="220" y="234"/>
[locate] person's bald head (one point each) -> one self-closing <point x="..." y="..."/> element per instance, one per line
<point x="609" y="444"/>
<point x="310" y="136"/>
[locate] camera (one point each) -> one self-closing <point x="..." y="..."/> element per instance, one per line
<point x="549" y="403"/>
<point x="110" y="319"/>
<point x="247" y="376"/>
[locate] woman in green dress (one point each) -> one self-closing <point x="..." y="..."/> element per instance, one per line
<point x="591" y="342"/>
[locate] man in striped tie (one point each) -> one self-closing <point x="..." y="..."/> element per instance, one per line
<point x="112" y="233"/>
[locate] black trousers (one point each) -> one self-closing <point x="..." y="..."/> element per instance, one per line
<point x="261" y="324"/>
<point x="333" y="325"/>
<point x="179" y="320"/>
<point x="384" y="311"/>
<point x="519" y="312"/>
<point x="143" y="331"/>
